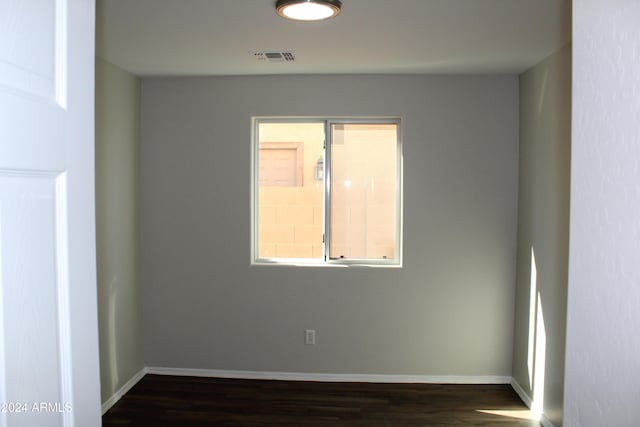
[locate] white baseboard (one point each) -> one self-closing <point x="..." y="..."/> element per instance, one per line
<point x="299" y="376"/>
<point x="123" y="390"/>
<point x="546" y="422"/>
<point x="521" y="393"/>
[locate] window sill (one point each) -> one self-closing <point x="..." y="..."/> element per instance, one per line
<point x="320" y="263"/>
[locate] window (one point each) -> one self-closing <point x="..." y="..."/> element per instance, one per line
<point x="327" y="191"/>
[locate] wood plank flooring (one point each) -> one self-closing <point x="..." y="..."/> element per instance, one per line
<point x="160" y="401"/>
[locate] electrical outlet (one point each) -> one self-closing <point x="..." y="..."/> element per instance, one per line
<point x="310" y="337"/>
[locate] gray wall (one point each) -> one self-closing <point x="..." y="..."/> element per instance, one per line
<point x="117" y="149"/>
<point x="543" y="226"/>
<point x="448" y="311"/>
<point x="602" y="384"/>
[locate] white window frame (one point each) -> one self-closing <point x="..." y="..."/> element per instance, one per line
<point x="326" y="261"/>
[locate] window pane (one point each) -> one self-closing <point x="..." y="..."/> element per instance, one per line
<point x="363" y="204"/>
<point x="290" y="190"/>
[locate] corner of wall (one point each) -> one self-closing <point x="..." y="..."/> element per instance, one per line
<point x="116" y="159"/>
<point x="543" y="232"/>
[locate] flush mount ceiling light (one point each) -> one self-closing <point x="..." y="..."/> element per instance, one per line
<point x="308" y="10"/>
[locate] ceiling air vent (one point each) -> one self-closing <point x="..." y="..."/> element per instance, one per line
<point x="274" y="56"/>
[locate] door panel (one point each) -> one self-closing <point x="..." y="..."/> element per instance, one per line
<point x="31" y="61"/>
<point x="34" y="291"/>
<point x="48" y="312"/>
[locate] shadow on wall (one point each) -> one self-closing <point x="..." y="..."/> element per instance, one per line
<point x="111" y="341"/>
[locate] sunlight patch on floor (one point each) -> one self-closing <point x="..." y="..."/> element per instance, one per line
<point x="523" y="414"/>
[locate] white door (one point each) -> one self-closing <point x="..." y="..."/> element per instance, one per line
<point x="49" y="373"/>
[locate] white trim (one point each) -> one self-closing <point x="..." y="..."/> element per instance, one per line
<point x="63" y="295"/>
<point x="61" y="53"/>
<point x="520" y="391"/>
<point x="546" y="422"/>
<point x="124" y="389"/>
<point x="300" y="376"/>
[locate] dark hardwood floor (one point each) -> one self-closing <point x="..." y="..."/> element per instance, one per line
<point x="160" y="401"/>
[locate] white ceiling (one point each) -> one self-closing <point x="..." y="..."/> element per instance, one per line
<point x="216" y="37"/>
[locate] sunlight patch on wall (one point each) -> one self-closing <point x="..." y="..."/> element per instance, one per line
<point x="532" y="316"/>
<point x="539" y="368"/>
<point x="537" y="349"/>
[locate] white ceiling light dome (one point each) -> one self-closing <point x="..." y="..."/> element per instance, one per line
<point x="308" y="10"/>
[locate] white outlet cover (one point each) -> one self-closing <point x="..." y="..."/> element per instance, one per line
<point x="310" y="337"/>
